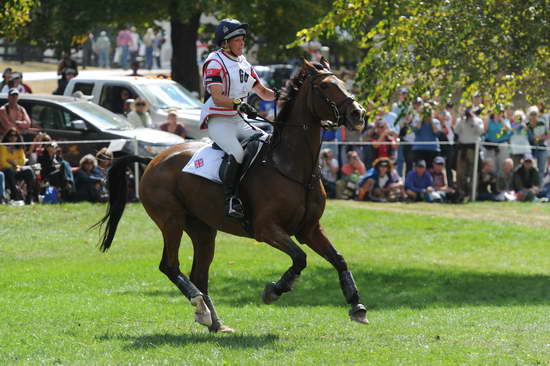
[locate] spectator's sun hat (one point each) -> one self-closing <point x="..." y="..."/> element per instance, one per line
<point x="528" y="157"/>
<point x="421" y="163"/>
<point x="533" y="110"/>
<point x="439" y="160"/>
<point x="13" y="91"/>
<point x="6" y="70"/>
<point x="173" y="111"/>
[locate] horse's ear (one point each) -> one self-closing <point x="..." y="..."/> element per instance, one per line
<point x="325" y="63"/>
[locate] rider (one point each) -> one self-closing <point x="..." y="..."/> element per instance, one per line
<point x="228" y="79"/>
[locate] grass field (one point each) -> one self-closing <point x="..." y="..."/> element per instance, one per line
<point x="444" y="285"/>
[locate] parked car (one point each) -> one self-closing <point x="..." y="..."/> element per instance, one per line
<point x="74" y="119"/>
<point x="161" y="94"/>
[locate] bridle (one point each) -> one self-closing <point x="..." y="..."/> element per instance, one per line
<point x="334" y="106"/>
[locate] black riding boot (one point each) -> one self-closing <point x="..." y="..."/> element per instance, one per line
<point x="233" y="205"/>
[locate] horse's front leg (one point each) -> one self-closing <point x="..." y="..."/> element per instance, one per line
<point x="316" y="239"/>
<point x="279" y="239"/>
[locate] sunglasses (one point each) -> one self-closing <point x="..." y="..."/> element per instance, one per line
<point x="140" y="104"/>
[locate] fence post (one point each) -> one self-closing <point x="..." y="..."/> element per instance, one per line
<point x="136" y="168"/>
<point x="474" y="177"/>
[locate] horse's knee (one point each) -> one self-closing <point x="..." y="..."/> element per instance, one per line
<point x="170" y="272"/>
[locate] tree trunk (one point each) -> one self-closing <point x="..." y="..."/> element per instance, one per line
<point x="184" y="50"/>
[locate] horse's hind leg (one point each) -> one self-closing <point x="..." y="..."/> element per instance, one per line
<point x="172" y="230"/>
<point x="277" y="238"/>
<point x="203" y="239"/>
<point x="316" y="239"/>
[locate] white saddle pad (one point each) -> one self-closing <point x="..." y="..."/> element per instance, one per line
<point x="206" y="163"/>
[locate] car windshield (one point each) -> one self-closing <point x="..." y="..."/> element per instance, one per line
<point x="99" y="116"/>
<point x="169" y="95"/>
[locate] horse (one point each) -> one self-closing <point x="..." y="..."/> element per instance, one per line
<point x="289" y="171"/>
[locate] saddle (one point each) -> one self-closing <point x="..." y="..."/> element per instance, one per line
<point x="252" y="147"/>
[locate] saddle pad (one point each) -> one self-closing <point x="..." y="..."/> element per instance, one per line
<point x="206" y="163"/>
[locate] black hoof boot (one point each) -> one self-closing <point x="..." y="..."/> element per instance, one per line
<point x="269" y="296"/>
<point x="358" y="313"/>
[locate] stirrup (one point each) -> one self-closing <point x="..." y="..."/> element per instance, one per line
<point x="235" y="208"/>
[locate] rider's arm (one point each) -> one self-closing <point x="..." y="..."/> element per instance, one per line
<point x="263" y="92"/>
<point x="216" y="91"/>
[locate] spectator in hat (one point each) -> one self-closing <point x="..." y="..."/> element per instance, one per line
<point x="381" y="183"/>
<point x="104" y="159"/>
<point x="537" y="133"/>
<point x="68" y="74"/>
<point x="469" y="129"/>
<point x="6" y="77"/>
<point x="14" y="83"/>
<point x="13" y="115"/>
<point x="526" y="180"/>
<point x="442" y="189"/>
<point x="419" y="183"/>
<point x="172" y="125"/>
<point x="139" y="117"/>
<point x="426" y="131"/>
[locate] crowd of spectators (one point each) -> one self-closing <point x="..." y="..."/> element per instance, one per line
<point x="38" y="172"/>
<point x="419" y="150"/>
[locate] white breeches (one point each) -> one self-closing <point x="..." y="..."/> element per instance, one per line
<point x="227" y="131"/>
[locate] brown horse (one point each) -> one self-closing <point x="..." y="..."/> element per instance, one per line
<point x="282" y="195"/>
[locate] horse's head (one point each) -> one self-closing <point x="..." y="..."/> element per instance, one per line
<point x="330" y="100"/>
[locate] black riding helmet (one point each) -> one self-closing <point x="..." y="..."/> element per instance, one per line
<point x="229" y="28"/>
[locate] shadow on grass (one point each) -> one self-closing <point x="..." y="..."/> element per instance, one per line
<point x="224" y="341"/>
<point x="412" y="288"/>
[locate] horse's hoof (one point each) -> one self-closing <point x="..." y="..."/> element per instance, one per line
<point x="358" y="313"/>
<point x="220" y="327"/>
<point x="269" y="296"/>
<point x="202" y="313"/>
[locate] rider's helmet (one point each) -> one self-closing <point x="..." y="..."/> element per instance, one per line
<point x="229" y="28"/>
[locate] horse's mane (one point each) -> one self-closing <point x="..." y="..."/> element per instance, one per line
<point x="291" y="90"/>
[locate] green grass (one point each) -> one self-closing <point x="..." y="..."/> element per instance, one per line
<point x="442" y="286"/>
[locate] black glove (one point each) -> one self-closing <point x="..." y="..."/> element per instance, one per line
<point x="248" y="110"/>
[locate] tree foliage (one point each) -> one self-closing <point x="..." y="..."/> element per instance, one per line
<point x="14" y="14"/>
<point x="437" y="47"/>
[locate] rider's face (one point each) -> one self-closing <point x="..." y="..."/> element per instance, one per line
<point x="236" y="45"/>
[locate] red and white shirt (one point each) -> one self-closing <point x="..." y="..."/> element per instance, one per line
<point x="236" y="76"/>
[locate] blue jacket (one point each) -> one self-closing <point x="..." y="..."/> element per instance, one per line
<point x="417" y="184"/>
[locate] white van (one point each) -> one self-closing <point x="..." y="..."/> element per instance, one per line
<point x="161" y="95"/>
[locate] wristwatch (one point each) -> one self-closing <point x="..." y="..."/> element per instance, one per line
<point x="236" y="103"/>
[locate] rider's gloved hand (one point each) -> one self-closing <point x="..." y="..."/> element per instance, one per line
<point x="248" y="110"/>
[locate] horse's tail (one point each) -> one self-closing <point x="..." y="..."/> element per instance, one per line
<point x="117" y="185"/>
